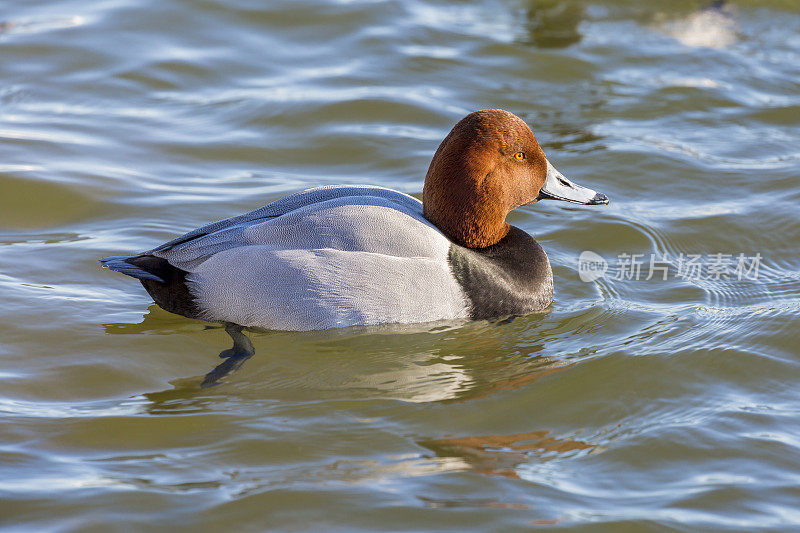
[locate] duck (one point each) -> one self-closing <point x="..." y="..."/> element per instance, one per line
<point x="346" y="255"/>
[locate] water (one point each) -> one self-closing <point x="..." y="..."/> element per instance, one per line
<point x="631" y="405"/>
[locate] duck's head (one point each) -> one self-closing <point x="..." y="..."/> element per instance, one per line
<point x="489" y="164"/>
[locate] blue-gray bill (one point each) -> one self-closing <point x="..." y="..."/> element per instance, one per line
<point x="557" y="187"/>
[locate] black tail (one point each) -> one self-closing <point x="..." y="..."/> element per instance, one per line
<point x="164" y="282"/>
<point x="134" y="266"/>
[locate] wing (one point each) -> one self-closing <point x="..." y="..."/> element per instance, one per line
<point x="273" y="223"/>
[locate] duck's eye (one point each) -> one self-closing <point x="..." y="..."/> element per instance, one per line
<point x="519" y="156"/>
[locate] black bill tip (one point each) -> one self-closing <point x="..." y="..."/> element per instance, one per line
<point x="599" y="199"/>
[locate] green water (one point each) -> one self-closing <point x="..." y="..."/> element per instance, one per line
<point x="634" y="404"/>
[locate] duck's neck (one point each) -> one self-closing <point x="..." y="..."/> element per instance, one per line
<point x="468" y="223"/>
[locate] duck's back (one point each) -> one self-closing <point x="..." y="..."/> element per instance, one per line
<point x="322" y="258"/>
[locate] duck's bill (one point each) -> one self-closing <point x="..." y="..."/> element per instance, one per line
<point x="557" y="187"/>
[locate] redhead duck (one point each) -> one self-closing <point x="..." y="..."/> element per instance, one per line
<point x="344" y="255"/>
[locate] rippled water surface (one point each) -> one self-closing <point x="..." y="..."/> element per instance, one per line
<point x="633" y="404"/>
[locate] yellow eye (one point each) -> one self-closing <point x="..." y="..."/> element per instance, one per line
<point x="519" y="156"/>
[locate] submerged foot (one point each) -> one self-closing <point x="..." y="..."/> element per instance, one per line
<point x="225" y="368"/>
<point x="241" y="344"/>
<point x="235" y="357"/>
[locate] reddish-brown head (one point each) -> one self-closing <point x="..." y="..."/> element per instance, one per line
<point x="489" y="164"/>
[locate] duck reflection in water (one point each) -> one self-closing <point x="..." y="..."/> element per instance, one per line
<point x="155" y="320"/>
<point x="435" y="363"/>
<point x="499" y="455"/>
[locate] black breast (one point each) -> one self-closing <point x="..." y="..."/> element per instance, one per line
<point x="510" y="278"/>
